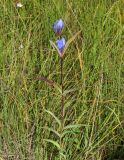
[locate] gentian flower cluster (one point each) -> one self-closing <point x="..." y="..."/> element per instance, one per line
<point x="60" y="42"/>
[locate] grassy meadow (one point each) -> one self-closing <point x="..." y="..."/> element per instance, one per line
<point x="31" y="125"/>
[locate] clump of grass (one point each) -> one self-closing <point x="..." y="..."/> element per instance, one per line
<point x="93" y="81"/>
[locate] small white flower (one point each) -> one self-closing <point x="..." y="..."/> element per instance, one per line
<point x="19" y="4"/>
<point x="21" y="46"/>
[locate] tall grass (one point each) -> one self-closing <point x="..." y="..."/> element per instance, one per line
<point x="93" y="71"/>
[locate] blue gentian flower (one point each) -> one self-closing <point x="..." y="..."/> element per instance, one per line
<point x="58" y="26"/>
<point x="60" y="45"/>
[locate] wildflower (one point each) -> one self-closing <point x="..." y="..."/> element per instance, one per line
<point x="60" y="45"/>
<point x="21" y="46"/>
<point x="19" y="4"/>
<point x="58" y="27"/>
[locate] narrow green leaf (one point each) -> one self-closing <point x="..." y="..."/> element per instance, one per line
<point x="57" y="120"/>
<point x="58" y="88"/>
<point x="69" y="91"/>
<point x="67" y="132"/>
<point x="54" y="46"/>
<point x="64" y="156"/>
<point x="71" y="40"/>
<point x="68" y="103"/>
<point x="52" y="130"/>
<point x="73" y="126"/>
<point x="53" y="142"/>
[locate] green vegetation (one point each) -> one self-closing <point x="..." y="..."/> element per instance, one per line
<point x="30" y="108"/>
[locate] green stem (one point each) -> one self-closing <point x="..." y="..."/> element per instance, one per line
<point x="62" y="97"/>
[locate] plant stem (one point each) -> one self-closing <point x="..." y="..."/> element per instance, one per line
<point x="62" y="97"/>
<point x="62" y="106"/>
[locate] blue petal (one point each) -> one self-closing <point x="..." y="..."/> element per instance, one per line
<point x="58" y="26"/>
<point x="60" y="43"/>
